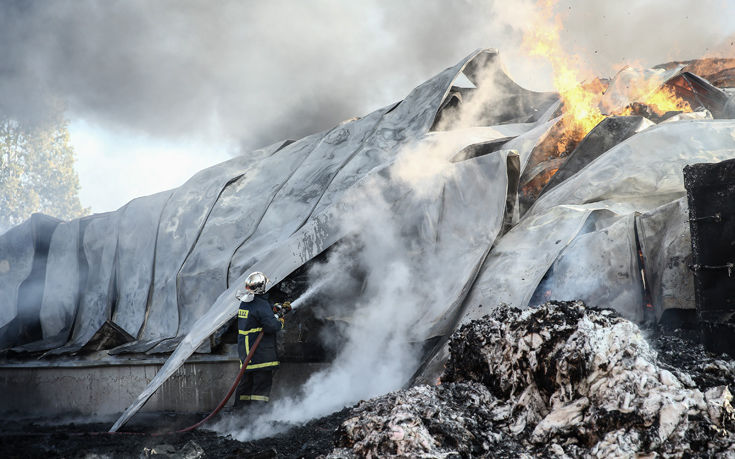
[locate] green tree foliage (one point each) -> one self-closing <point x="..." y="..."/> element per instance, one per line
<point x="37" y="172"/>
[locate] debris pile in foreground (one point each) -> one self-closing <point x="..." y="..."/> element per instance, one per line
<point x="559" y="379"/>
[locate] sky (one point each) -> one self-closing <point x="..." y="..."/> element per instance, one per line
<point x="155" y="91"/>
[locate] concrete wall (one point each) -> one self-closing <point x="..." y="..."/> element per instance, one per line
<point x="35" y="391"/>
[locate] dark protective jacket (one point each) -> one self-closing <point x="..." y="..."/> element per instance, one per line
<point x="253" y="317"/>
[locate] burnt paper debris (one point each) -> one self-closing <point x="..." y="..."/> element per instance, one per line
<point x="557" y="380"/>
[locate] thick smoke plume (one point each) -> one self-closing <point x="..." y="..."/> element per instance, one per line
<point x="258" y="72"/>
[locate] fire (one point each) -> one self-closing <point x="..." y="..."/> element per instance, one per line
<point x="584" y="103"/>
<point x="581" y="101"/>
<point x="662" y="101"/>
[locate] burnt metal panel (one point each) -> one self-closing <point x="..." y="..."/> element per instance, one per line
<point x="608" y="133"/>
<point x="711" y="195"/>
<point x="109" y="335"/>
<point x="699" y="93"/>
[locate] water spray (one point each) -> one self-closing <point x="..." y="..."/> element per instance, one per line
<point x="311" y="291"/>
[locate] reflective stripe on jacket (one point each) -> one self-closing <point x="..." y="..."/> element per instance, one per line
<point x="252" y="318"/>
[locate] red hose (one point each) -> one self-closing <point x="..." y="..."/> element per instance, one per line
<point x="187" y="429"/>
<point x="232" y="389"/>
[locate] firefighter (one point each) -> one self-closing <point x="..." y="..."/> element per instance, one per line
<point x="256" y="314"/>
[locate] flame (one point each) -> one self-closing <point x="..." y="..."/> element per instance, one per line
<point x="580" y="102"/>
<point x="662" y="101"/>
<point x="536" y="185"/>
<point x="643" y="91"/>
<point x="665" y="100"/>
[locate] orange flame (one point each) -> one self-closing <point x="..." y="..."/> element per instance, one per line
<point x="581" y="102"/>
<point x="662" y="101"/>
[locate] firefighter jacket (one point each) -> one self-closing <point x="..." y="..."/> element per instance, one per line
<point x="252" y="318"/>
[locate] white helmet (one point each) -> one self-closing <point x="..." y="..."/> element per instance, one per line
<point x="256" y="283"/>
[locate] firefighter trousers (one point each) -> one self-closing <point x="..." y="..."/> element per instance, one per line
<point x="254" y="388"/>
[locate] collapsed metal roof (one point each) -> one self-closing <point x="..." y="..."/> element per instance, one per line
<point x="163" y="270"/>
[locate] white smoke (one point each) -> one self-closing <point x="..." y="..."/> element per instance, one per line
<point x="311" y="291"/>
<point x="377" y="356"/>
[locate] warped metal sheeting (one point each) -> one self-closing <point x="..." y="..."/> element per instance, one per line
<point x="164" y="268"/>
<point x="626" y="87"/>
<point x="157" y="264"/>
<point x="61" y="289"/>
<point x="99" y="245"/>
<point x="16" y="264"/>
<point x="608" y="133"/>
<point x="649" y="164"/>
<point x="666" y="247"/>
<point x="23" y="258"/>
<point x="136" y="247"/>
<point x="599" y="267"/>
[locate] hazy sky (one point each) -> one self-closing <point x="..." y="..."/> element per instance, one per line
<point x="156" y="90"/>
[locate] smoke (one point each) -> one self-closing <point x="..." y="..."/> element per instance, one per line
<point x="312" y="291"/>
<point x="258" y="72"/>
<point x="380" y="286"/>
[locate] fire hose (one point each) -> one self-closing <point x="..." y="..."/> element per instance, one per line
<point x="210" y="416"/>
<point x="280" y="310"/>
<point x="232" y="389"/>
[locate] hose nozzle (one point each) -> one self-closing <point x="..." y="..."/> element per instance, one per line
<point x="281" y="309"/>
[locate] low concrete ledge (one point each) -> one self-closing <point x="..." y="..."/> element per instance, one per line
<point x="102" y="390"/>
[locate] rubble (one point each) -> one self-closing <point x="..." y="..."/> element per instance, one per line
<point x="191" y="450"/>
<point x="561" y="380"/>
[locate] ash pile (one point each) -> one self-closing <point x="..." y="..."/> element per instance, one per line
<point x="558" y="380"/>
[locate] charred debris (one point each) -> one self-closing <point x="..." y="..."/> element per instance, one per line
<point x="557" y="380"/>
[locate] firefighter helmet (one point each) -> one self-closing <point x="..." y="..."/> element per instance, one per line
<point x="256" y="283"/>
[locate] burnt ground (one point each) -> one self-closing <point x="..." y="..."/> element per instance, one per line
<point x="677" y="348"/>
<point x="24" y="439"/>
<point x="682" y="349"/>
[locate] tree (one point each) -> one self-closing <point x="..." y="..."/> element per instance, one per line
<point x="37" y="172"/>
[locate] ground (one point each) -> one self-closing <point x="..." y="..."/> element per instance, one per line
<point x="23" y="439"/>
